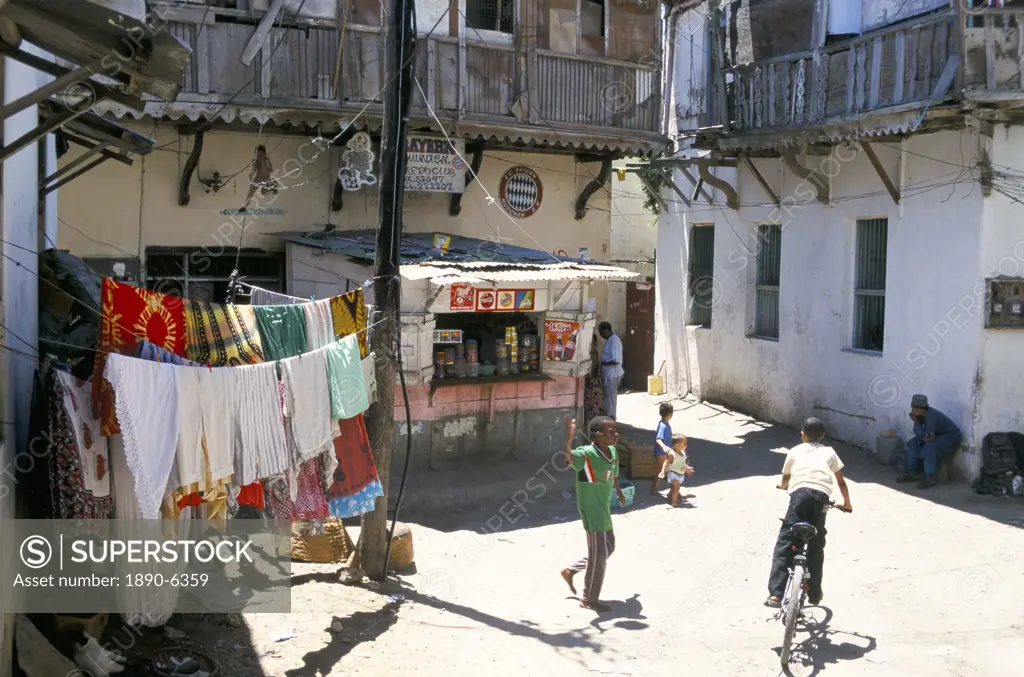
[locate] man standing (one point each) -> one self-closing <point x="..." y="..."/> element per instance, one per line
<point x="611" y="368"/>
<point x="597" y="473"/>
<point x="934" y="435"/>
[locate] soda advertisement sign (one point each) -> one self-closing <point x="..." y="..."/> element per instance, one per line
<point x="560" y="339"/>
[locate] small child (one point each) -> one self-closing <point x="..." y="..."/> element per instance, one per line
<point x="662" y="443"/>
<point x="678" y="468"/>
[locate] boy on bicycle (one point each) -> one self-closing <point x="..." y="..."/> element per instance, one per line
<point x="809" y="474"/>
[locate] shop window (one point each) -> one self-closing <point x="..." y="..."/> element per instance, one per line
<point x="202" y="275"/>
<point x="490" y="15"/>
<point x="592" y="18"/>
<point x="484" y="337"/>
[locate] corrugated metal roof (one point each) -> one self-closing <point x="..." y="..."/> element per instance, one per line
<point x="469" y="259"/>
<point x="550" y="274"/>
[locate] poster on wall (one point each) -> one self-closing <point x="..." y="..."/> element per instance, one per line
<point x="434" y="165"/>
<point x="506" y="299"/>
<point x="463" y="297"/>
<point x="520" y="192"/>
<point x="524" y="299"/>
<point x="357" y="163"/>
<point x="560" y="338"/>
<point x="485" y="300"/>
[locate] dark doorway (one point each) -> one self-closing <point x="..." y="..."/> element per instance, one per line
<point x="638" y="339"/>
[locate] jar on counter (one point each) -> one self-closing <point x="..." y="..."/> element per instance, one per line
<point x="474" y="369"/>
<point x="439" y="362"/>
<point x="449" y="357"/>
<point x="504" y="366"/>
<point x="461" y="371"/>
<point x="472" y="351"/>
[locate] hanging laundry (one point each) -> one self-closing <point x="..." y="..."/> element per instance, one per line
<point x="263" y="451"/>
<point x="265" y="297"/>
<point x="356" y="485"/>
<point x="222" y="336"/>
<point x="147" y="415"/>
<point x="221" y="413"/>
<point x="127" y="316"/>
<point x="319" y="324"/>
<point x="190" y="454"/>
<point x="154" y="353"/>
<point x="346" y="378"/>
<point x="159" y="600"/>
<point x="306" y="397"/>
<point x="251" y="494"/>
<point x="92" y="448"/>
<point x="348" y="313"/>
<point x="78" y="458"/>
<point x="282" y="330"/>
<point x="308" y="491"/>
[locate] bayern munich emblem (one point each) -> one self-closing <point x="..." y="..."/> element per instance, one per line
<point x="520" y="192"/>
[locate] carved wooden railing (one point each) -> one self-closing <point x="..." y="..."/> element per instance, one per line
<point x="475" y="80"/>
<point x="885" y="69"/>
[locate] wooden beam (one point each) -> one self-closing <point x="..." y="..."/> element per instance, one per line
<point x="760" y="179"/>
<point x="894" y="192"/>
<point x="811" y="176"/>
<point x="654" y="191"/>
<point x="698" y="186"/>
<point x="678" y="191"/>
<point x="732" y="198"/>
<point x="262" y="32"/>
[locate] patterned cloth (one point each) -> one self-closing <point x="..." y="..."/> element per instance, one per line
<point x="349" y="314"/>
<point x="356" y="485"/>
<point x="223" y="336"/>
<point x="71" y="499"/>
<point x="309" y="503"/>
<point x="127" y="315"/>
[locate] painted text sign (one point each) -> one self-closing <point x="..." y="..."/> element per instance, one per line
<point x="434" y="165"/>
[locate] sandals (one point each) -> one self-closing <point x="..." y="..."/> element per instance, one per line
<point x="773" y="602"/>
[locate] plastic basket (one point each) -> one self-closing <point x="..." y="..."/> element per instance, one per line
<point x="628" y="490"/>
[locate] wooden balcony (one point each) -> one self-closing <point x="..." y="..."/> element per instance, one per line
<point x="994" y="54"/>
<point x="895" y="69"/>
<point x="462" y="79"/>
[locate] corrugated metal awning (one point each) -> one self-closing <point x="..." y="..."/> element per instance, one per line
<point x="543" y="274"/>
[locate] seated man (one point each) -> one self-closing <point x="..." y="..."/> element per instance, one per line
<point x="934" y="435"/>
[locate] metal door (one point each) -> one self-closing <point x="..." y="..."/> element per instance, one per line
<point x="638" y="340"/>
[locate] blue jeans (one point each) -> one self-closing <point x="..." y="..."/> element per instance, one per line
<point x="930" y="452"/>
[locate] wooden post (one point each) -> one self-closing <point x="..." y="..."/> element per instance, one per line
<point x="374" y="543"/>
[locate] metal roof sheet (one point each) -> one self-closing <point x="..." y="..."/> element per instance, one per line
<point x="540" y="273"/>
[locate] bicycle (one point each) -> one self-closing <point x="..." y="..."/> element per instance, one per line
<point x="791" y="608"/>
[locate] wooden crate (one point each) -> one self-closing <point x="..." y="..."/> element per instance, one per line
<point x="643" y="464"/>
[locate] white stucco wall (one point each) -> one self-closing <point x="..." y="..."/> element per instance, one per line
<point x="1001" y="369"/>
<point x="634" y="233"/>
<point x="141" y="202"/>
<point x="932" y="334"/>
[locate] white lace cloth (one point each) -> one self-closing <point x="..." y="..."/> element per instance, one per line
<point x="307" y="398"/>
<point x="146" y="402"/>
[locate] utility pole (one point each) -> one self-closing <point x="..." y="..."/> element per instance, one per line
<point x="380" y="419"/>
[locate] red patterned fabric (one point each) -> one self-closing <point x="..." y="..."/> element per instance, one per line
<point x="252" y="494"/>
<point x="309" y="502"/>
<point x="356" y="469"/>
<point x="128" y="315"/>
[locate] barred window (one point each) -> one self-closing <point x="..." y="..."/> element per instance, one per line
<point x="869" y="284"/>
<point x="769" y="272"/>
<point x="491" y="15"/>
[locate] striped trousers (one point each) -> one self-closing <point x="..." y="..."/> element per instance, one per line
<point x="600" y="546"/>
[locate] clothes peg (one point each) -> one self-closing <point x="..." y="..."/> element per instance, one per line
<point x="209" y="366"/>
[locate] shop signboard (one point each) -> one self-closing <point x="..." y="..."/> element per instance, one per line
<point x="463" y="297"/>
<point x="434" y="165"/>
<point x="560" y="338"/>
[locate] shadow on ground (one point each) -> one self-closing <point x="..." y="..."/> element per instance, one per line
<point x="824" y="646"/>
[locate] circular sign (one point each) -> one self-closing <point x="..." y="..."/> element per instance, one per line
<point x="520" y="192"/>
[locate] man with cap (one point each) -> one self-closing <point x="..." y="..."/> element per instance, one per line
<point x="934" y="435"/>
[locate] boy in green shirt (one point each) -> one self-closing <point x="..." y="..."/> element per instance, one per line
<point x="597" y="473"/>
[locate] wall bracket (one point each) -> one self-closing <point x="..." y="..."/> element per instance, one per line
<point x="595" y="185"/>
<point x="820" y="184"/>
<point x="732" y="198"/>
<point x="760" y="179"/>
<point x="190" y="167"/>
<point x="455" y="200"/>
<point x="894" y="192"/>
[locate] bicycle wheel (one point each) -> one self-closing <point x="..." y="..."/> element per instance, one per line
<point x="793" y="597"/>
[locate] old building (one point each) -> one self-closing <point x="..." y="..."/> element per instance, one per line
<point x="537" y="97"/>
<point x="842" y="212"/>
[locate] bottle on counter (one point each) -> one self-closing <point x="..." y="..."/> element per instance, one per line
<point x="559" y="349"/>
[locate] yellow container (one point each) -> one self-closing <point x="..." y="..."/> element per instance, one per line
<point x="655" y="385"/>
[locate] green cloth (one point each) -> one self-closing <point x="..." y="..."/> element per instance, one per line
<point x="595" y="479"/>
<point x="346" y="379"/>
<point x="282" y="330"/>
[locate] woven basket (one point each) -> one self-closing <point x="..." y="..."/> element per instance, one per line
<point x="402" y="555"/>
<point x="331" y="545"/>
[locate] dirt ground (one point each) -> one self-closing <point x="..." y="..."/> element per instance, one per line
<point x="916" y="583"/>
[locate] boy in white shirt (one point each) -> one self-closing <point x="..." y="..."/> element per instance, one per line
<point x="809" y="474"/>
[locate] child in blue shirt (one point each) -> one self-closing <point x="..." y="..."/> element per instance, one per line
<point x="663" y="443"/>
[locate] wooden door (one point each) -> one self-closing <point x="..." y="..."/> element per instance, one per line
<point x="638" y="338"/>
